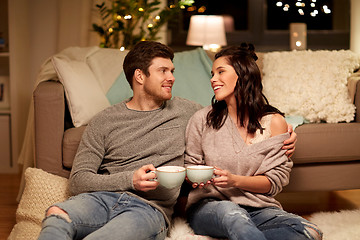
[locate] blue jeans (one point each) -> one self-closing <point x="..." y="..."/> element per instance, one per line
<point x="105" y="215"/>
<point x="225" y="219"/>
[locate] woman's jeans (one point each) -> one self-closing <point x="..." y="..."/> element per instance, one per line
<point x="225" y="219"/>
<point x="105" y="215"/>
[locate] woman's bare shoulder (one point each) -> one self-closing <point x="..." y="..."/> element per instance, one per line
<point x="278" y="125"/>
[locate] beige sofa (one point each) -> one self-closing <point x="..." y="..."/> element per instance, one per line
<point x="327" y="155"/>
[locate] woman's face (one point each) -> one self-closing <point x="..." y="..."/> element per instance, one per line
<point x="224" y="80"/>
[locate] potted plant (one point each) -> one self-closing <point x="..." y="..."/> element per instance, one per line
<point x="126" y="22"/>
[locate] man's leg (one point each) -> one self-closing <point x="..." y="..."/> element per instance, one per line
<point x="276" y="223"/>
<point x="78" y="216"/>
<point x="223" y="219"/>
<point x="132" y="218"/>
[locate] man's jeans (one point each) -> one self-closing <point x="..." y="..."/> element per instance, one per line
<point x="105" y="215"/>
<point x="225" y="219"/>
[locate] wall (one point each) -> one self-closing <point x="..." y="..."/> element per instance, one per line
<point x="38" y="29"/>
<point x="355" y="26"/>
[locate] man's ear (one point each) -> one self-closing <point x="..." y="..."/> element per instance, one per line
<point x="139" y="76"/>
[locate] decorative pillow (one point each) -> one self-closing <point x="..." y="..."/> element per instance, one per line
<point x="120" y="90"/>
<point x="192" y="76"/>
<point x="83" y="93"/>
<point x="106" y="64"/>
<point x="192" y="79"/>
<point x="311" y="84"/>
<point x="41" y="190"/>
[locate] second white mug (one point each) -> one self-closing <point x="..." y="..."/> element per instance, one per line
<point x="199" y="173"/>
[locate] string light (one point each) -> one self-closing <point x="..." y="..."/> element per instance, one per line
<point x="326" y="9"/>
<point x="286" y="7"/>
<point x="202" y="9"/>
<point x="302" y="4"/>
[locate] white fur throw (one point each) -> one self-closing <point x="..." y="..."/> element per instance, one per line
<point x="341" y="225"/>
<point x="312" y="84"/>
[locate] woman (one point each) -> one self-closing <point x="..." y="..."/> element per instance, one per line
<point x="242" y="135"/>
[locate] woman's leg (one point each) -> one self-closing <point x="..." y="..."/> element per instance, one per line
<point x="223" y="219"/>
<point x="276" y="223"/>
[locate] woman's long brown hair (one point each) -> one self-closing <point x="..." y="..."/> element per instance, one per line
<point x="248" y="90"/>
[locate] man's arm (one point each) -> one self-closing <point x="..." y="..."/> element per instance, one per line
<point x="84" y="176"/>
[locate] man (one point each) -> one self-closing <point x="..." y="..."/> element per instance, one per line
<point x="109" y="181"/>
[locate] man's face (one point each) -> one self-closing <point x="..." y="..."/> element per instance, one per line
<point x="158" y="84"/>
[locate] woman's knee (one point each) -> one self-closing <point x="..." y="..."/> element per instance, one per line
<point x="228" y="209"/>
<point x="305" y="228"/>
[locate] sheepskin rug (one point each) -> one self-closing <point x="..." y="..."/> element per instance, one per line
<point x="342" y="225"/>
<point x="181" y="231"/>
<point x="312" y="84"/>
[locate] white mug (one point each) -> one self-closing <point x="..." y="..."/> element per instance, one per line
<point x="170" y="176"/>
<point x="199" y="173"/>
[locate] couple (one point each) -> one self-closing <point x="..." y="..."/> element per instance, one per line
<point x="112" y="195"/>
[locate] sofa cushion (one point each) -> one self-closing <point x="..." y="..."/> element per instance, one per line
<point x="83" y="93"/>
<point x="71" y="141"/>
<point x="317" y="143"/>
<point x="327" y="142"/>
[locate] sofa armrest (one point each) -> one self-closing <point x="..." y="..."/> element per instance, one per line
<point x="49" y="115"/>
<point x="357" y="102"/>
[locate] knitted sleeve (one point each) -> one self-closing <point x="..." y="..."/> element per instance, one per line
<point x="193" y="152"/>
<point x="84" y="175"/>
<point x="276" y="165"/>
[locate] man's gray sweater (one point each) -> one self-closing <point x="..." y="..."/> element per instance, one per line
<point x="118" y="141"/>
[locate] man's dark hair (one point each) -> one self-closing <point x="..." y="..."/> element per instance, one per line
<point x="141" y="56"/>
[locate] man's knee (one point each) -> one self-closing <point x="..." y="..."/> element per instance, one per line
<point x="56" y="211"/>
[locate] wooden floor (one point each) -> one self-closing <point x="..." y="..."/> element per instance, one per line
<point x="303" y="203"/>
<point x="9" y="187"/>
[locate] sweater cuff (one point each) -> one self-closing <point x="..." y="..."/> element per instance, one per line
<point x="130" y="180"/>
